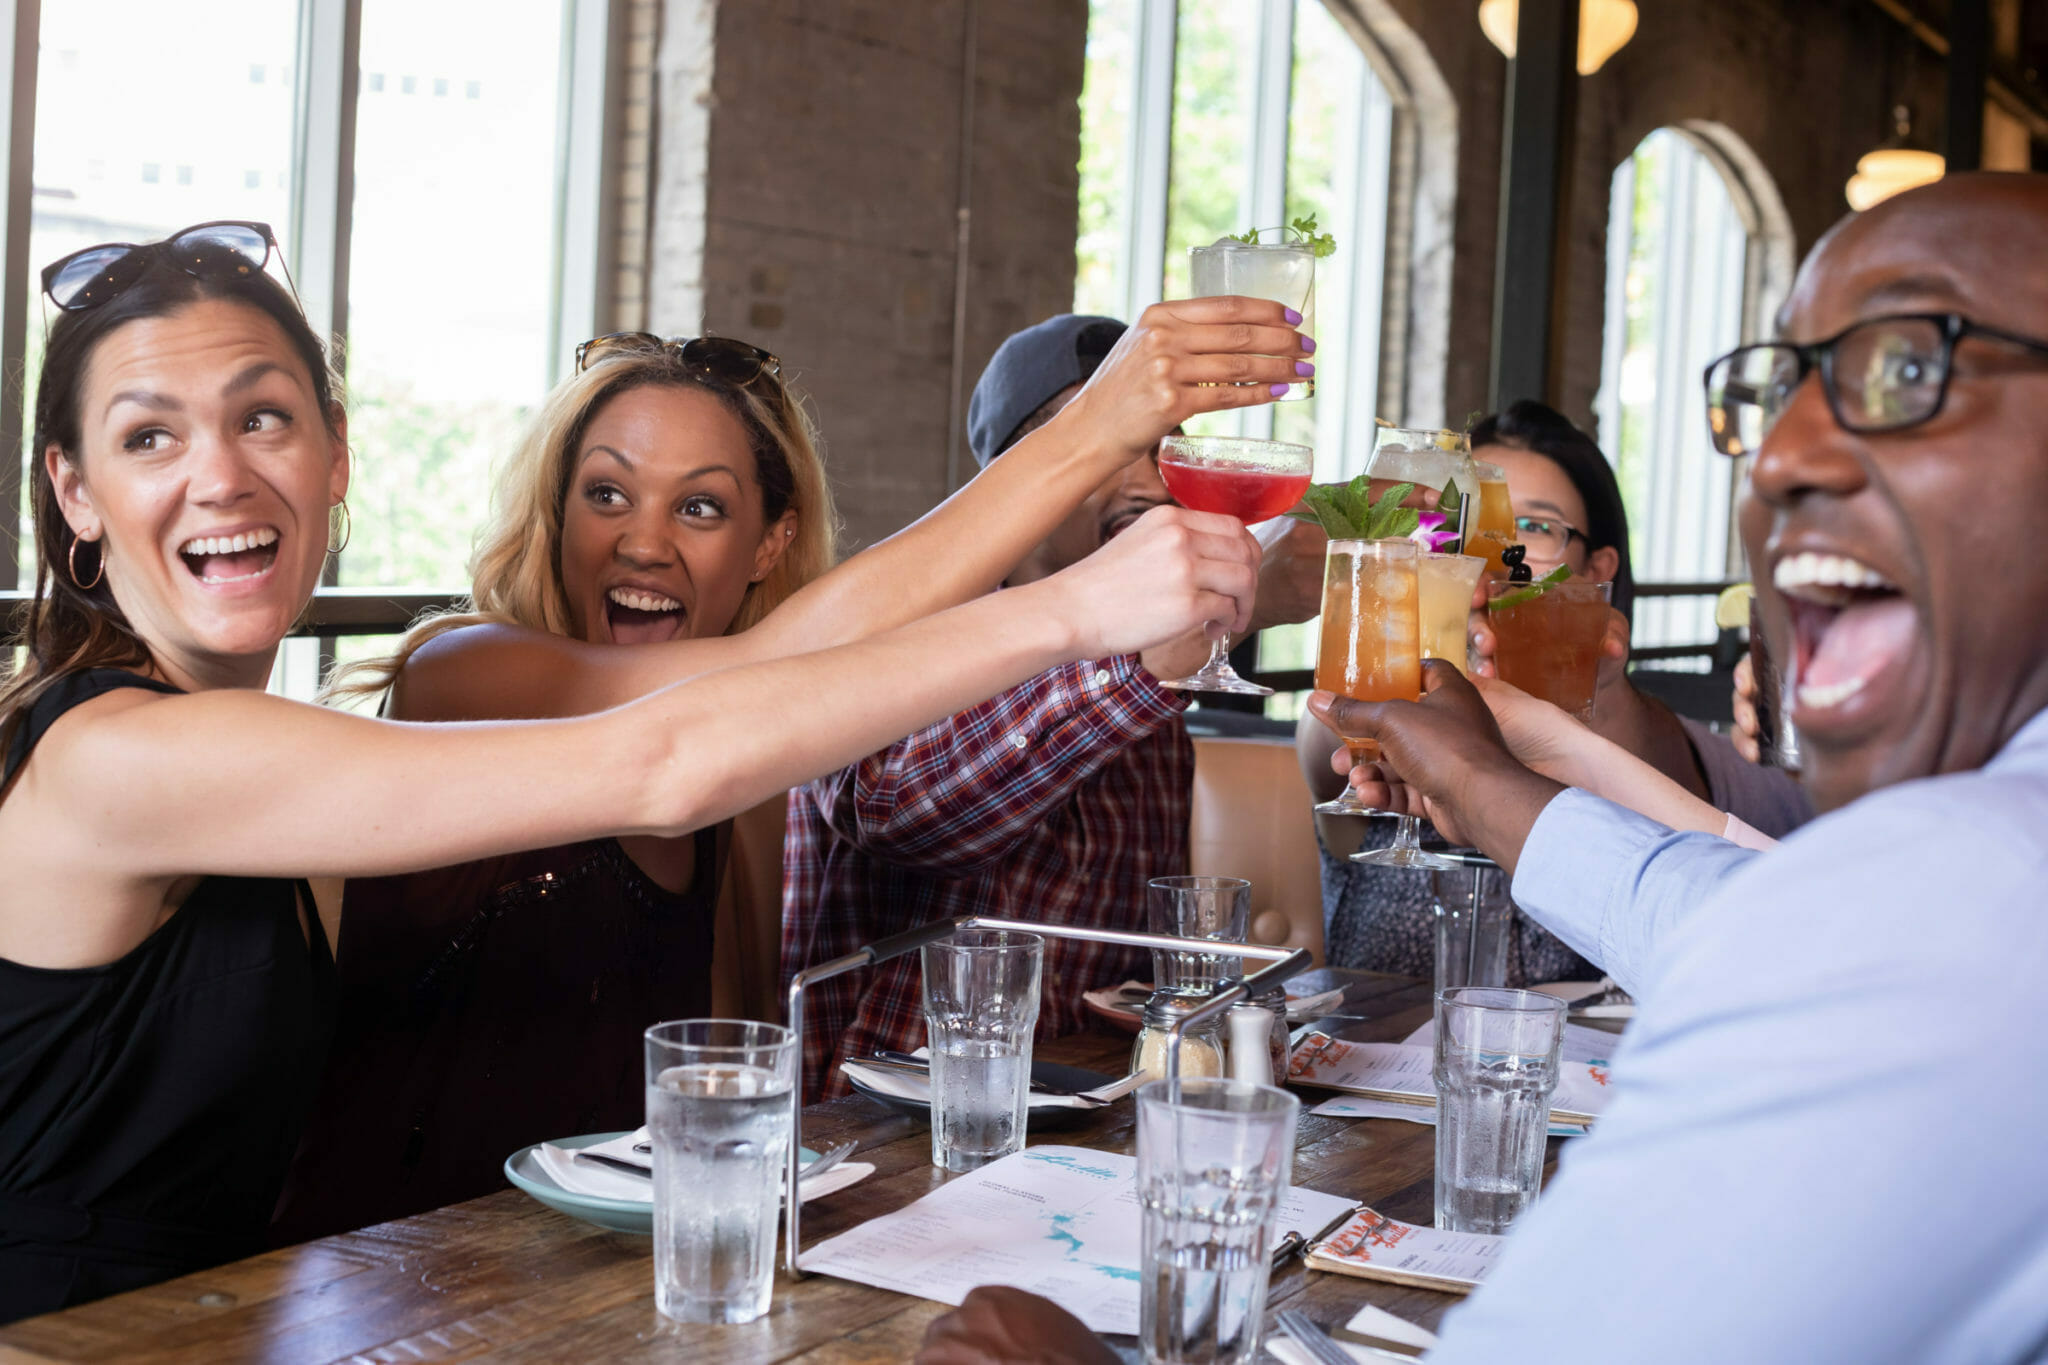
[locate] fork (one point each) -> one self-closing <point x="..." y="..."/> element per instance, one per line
<point x="820" y="1164"/>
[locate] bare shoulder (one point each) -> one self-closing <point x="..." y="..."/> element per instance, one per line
<point x="488" y="671"/>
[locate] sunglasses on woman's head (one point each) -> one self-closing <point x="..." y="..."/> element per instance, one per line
<point x="99" y="274"/>
<point x="720" y="358"/>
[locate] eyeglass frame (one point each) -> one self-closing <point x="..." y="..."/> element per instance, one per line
<point x="769" y="363"/>
<point x="156" y="251"/>
<point x="1820" y="355"/>
<point x="1569" y="529"/>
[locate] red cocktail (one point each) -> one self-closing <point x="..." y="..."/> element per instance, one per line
<point x="1247" y="494"/>
<point x="1242" y="478"/>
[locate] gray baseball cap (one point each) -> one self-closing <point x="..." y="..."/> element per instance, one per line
<point x="1030" y="367"/>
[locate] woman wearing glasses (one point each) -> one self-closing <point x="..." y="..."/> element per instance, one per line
<point x="166" y="988"/>
<point x="1568" y="511"/>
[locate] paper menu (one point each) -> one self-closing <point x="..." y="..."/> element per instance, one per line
<point x="1402" y="1072"/>
<point x="1058" y="1221"/>
<point x="1375" y="1247"/>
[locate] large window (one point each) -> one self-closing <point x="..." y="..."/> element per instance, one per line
<point x="449" y="176"/>
<point x="1689" y="274"/>
<point x="1203" y="118"/>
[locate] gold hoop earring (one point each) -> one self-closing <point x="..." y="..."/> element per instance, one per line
<point x="348" y="528"/>
<point x="71" y="560"/>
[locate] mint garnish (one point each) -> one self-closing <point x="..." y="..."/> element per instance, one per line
<point x="1303" y="232"/>
<point x="1346" y="511"/>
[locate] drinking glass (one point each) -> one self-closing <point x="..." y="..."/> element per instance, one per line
<point x="1213" y="1165"/>
<point x="1547" y="639"/>
<point x="1472" y="914"/>
<point x="718" y="1118"/>
<point x="980" y="1007"/>
<point x="1495" y="1070"/>
<point x="1446" y="585"/>
<point x="1197" y="907"/>
<point x="1238" y="477"/>
<point x="1371" y="648"/>
<point x="1776" y="739"/>
<point x="1281" y="271"/>
<point x="1433" y="460"/>
<point x="1492" y="527"/>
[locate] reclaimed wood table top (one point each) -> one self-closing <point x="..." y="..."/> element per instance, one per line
<point x="504" y="1278"/>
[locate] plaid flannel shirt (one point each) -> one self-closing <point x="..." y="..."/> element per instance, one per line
<point x="1055" y="801"/>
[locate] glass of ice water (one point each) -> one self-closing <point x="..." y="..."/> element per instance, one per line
<point x="980" y="1007"/>
<point x="1197" y="907"/>
<point x="1282" y="271"/>
<point x="1213" y="1166"/>
<point x="1496" y="1069"/>
<point x="718" y="1097"/>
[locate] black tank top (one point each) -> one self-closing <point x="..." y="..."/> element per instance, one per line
<point x="149" y="1107"/>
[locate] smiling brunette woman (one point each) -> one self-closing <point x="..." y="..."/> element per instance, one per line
<point x="166" y="990"/>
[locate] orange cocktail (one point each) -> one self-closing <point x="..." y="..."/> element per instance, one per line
<point x="1492" y="527"/>
<point x="1371" y="647"/>
<point x="1547" y="639"/>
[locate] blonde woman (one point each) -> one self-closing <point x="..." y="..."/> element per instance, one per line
<point x="669" y="497"/>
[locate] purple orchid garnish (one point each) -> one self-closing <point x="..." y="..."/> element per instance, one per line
<point x="1430" y="535"/>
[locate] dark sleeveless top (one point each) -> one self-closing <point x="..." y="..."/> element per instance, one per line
<point x="149" y="1107"/>
<point x="488" y="1006"/>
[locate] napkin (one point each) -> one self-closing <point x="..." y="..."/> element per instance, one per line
<point x="602" y="1182"/>
<point x="1371" y="1322"/>
<point x="907" y="1085"/>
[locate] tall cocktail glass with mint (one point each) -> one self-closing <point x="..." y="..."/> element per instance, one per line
<point x="1282" y="271"/>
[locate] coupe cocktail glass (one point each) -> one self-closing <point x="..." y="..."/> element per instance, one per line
<point x="1239" y="477"/>
<point x="1280" y="271"/>
<point x="1547" y="639"/>
<point x="1371" y="648"/>
<point x="1447" y="583"/>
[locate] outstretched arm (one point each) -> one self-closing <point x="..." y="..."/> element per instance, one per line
<point x="1178" y="360"/>
<point x="132" y="792"/>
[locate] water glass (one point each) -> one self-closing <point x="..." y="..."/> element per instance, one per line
<point x="1496" y="1069"/>
<point x="1213" y="1166"/>
<point x="1472" y="910"/>
<point x="1197" y="907"/>
<point x="718" y="1114"/>
<point x="980" y="1007"/>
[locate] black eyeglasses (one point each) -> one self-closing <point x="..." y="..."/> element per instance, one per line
<point x="98" y="274"/>
<point x="720" y="358"/>
<point x="1883" y="374"/>
<point x="1547" y="537"/>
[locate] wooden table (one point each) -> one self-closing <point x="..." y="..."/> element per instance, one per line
<point x="504" y="1278"/>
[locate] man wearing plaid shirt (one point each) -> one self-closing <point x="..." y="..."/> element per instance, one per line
<point x="1055" y="801"/>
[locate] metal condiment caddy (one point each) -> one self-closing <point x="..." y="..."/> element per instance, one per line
<point x="1286" y="963"/>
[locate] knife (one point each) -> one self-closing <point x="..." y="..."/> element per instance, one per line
<point x="630" y="1167"/>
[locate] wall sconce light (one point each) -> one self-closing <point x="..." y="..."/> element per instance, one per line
<point x="1605" y="26"/>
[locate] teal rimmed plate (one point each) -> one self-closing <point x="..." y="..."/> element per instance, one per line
<point x="615" y="1215"/>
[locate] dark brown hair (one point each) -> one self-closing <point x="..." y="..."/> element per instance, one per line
<point x="70" y="629"/>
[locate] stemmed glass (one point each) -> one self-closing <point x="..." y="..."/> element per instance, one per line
<point x="1371" y="647"/>
<point x="1432" y="460"/>
<point x="1447" y="583"/>
<point x="1238" y="477"/>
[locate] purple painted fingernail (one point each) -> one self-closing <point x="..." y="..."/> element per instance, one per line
<point x="1292" y="316"/>
<point x="1280" y="390"/>
<point x="1302" y="367"/>
<point x="1308" y="344"/>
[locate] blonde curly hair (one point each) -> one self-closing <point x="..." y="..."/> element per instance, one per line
<point x="516" y="572"/>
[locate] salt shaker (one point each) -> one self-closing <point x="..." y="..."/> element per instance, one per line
<point x="1201" y="1051"/>
<point x="1251" y="1044"/>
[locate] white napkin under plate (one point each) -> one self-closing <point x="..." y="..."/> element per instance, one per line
<point x="602" y="1182"/>
<point x="908" y="1085"/>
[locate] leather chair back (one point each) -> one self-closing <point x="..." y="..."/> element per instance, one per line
<point x="1250" y="818"/>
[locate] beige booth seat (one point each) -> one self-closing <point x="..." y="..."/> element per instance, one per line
<point x="1250" y="818"/>
<point x="746" y="938"/>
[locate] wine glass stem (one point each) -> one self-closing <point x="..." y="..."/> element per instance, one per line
<point x="1219" y="651"/>
<point x="1409" y="833"/>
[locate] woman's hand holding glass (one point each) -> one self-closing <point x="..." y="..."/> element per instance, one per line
<point x="1180" y="359"/>
<point x="1173" y="571"/>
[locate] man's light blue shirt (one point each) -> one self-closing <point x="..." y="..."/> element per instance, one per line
<point x="1828" y="1139"/>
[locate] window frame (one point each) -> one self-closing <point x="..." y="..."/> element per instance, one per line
<point x="327" y="76"/>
